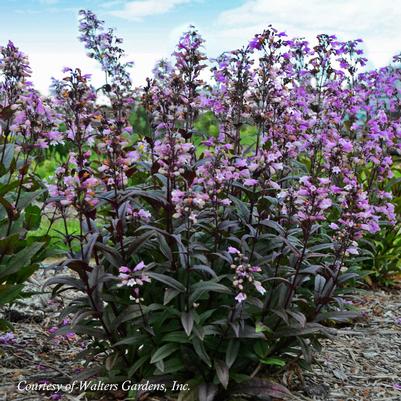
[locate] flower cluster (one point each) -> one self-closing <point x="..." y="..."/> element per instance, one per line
<point x="139" y="214"/>
<point x="14" y="67"/>
<point x="173" y="155"/>
<point x="133" y="278"/>
<point x="188" y="203"/>
<point x="104" y="47"/>
<point x="312" y="200"/>
<point x="244" y="274"/>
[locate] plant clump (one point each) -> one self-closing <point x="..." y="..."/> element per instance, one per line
<point x="212" y="256"/>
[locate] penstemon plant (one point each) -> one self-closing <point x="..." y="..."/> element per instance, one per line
<point x="215" y="259"/>
<point x="27" y="126"/>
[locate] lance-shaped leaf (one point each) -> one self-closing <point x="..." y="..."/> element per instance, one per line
<point x="222" y="372"/>
<point x="202" y="287"/>
<point x="187" y="320"/>
<point x="207" y="392"/>
<point x="232" y="352"/>
<point x="169" y="281"/>
<point x="9" y="293"/>
<point x="20" y="260"/>
<point x="263" y="389"/>
<point x="163" y="352"/>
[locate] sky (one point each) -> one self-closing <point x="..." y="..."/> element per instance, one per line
<point x="47" y="30"/>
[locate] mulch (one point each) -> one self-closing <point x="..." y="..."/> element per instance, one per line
<point x="362" y="362"/>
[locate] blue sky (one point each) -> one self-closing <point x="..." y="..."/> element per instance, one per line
<point x="47" y="29"/>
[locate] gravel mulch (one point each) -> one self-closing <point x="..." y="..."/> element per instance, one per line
<point x="363" y="362"/>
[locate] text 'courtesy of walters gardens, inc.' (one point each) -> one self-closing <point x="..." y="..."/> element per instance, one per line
<point x="76" y="385"/>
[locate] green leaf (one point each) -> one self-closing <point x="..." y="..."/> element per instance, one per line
<point x="202" y="287"/>
<point x="273" y="361"/>
<point x="132" y="394"/>
<point x="261" y="348"/>
<point x="172" y="365"/>
<point x="9" y="293"/>
<point x="32" y="217"/>
<point x="23" y="258"/>
<point x="175" y="337"/>
<point x="27" y="198"/>
<point x="135" y="340"/>
<point x="232" y="352"/>
<point x="204" y="268"/>
<point x="137" y="365"/>
<point x="169" y="281"/>
<point x="201" y="352"/>
<point x="241" y="208"/>
<point x="260" y="328"/>
<point x="4" y="189"/>
<point x="188" y="395"/>
<point x="129" y="313"/>
<point x="8" y="244"/>
<point x="163" y="352"/>
<point x="5" y="325"/>
<point x="247" y="331"/>
<point x="169" y="295"/>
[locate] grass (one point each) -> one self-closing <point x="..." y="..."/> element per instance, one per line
<point x="57" y="231"/>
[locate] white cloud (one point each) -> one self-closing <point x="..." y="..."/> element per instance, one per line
<point x="136" y="10"/>
<point x="376" y="22"/>
<point x="45" y="65"/>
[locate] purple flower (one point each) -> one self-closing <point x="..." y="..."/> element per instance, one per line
<point x="259" y="287"/>
<point x="250" y="181"/>
<point x="352" y="250"/>
<point x="7" y="338"/>
<point x="124" y="269"/>
<point x="241" y="297"/>
<point x="139" y="266"/>
<point x="255" y="43"/>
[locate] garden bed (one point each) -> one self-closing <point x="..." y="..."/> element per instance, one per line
<point x="362" y="362"/>
<point x="208" y="232"/>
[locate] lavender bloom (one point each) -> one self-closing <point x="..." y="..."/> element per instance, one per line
<point x="7" y="338"/>
<point x="133" y="278"/>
